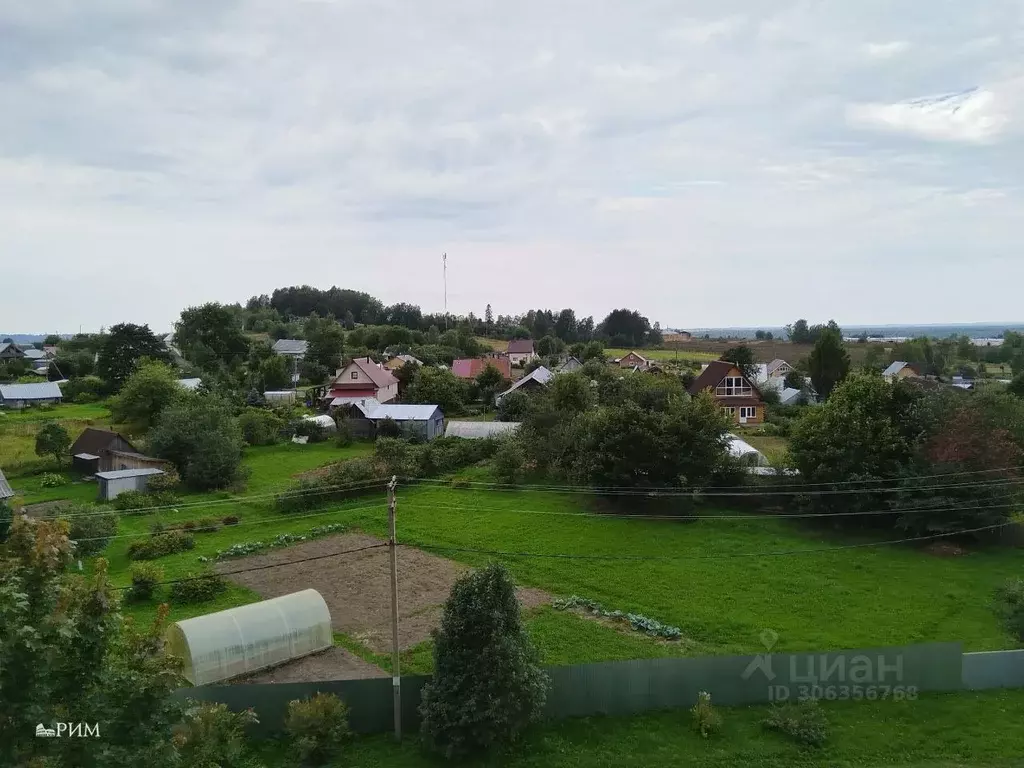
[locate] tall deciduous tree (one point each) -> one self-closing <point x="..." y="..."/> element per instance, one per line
<point x="488" y="685"/>
<point x="829" y="362"/>
<point x="211" y="333"/>
<point x="53" y="440"/>
<point x="625" y="328"/>
<point x="68" y="657"/>
<point x="152" y="388"/>
<point x="123" y="348"/>
<point x="434" y="386"/>
<point x="202" y="439"/>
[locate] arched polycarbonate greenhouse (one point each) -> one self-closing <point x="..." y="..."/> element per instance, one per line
<point x="226" y="644"/>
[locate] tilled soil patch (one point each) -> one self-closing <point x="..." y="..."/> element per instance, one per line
<point x="357" y="586"/>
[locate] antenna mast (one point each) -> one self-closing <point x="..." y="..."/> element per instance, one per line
<point x="444" y="260"/>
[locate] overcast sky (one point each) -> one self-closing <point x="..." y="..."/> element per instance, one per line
<point x="711" y="164"/>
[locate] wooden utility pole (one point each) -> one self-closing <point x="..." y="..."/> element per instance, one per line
<point x="396" y="675"/>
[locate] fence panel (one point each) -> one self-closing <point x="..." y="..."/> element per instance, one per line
<point x="993" y="669"/>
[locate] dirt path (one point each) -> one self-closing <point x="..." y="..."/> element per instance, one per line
<point x="333" y="664"/>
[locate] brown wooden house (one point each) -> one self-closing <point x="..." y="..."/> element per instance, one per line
<point x="733" y="391"/>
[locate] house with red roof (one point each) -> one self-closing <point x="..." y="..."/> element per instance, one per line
<point x="470" y="368"/>
<point x="732" y="390"/>
<point x="362" y="379"/>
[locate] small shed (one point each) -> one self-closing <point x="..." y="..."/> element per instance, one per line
<point x="19" y="396"/>
<point x="113" y="484"/>
<point x="476" y="430"/>
<point x="239" y="641"/>
<point x="536" y="379"/>
<point x="86" y="463"/>
<point x="422" y="421"/>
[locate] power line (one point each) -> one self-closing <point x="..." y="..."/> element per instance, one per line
<point x="712" y="493"/>
<point x="782" y="553"/>
<point x="1008" y="468"/>
<point x="297" y="493"/>
<point x="265" y="567"/>
<point x="688" y="518"/>
<point x="262" y="521"/>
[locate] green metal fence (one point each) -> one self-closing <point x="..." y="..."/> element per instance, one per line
<point x="627" y="687"/>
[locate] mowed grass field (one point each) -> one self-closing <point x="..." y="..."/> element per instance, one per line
<point x="981" y="730"/>
<point x="18" y="430"/>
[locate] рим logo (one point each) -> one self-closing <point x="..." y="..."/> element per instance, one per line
<point x="72" y="730"/>
<point x="43" y="731"/>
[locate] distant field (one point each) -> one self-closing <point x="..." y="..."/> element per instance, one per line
<point x="18" y="431"/>
<point x="498" y="345"/>
<point x="667" y="354"/>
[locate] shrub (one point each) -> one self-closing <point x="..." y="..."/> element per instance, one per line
<point x="213" y="735"/>
<point x="189" y="525"/>
<point x="805" y="723"/>
<point x="1011" y="595"/>
<point x="317" y="727"/>
<point x="145" y="577"/>
<point x="160" y="545"/>
<point x="6" y="519"/>
<point x="343" y="438"/>
<point x="388" y="428"/>
<point x="52" y="480"/>
<point x="53" y="440"/>
<point x="311" y="429"/>
<point x="201" y="437"/>
<point x="230" y="520"/>
<point x="198" y="589"/>
<point x="459" y="482"/>
<point x="396" y="457"/>
<point x="206" y="525"/>
<point x="706" y="718"/>
<point x="165" y="483"/>
<point x="260" y="427"/>
<point x="488" y="684"/>
<point x="508" y="461"/>
<point x="91" y="530"/>
<point x="143" y="502"/>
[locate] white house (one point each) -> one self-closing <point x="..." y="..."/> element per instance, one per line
<point x="520" y="351"/>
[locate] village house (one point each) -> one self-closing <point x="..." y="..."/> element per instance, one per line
<point x="520" y="351"/>
<point x="398" y="361"/>
<point x="733" y="391"/>
<point x="6" y="492"/>
<point x="535" y="380"/>
<point x="676" y="337"/>
<point x="101" y="450"/>
<point x="470" y="368"/>
<point x="424" y="422"/>
<point x="10" y="351"/>
<point x="17" y="396"/>
<point x="360" y="379"/>
<point x="570" y="365"/>
<point x="291" y="347"/>
<point x="633" y="360"/>
<point x="900" y="370"/>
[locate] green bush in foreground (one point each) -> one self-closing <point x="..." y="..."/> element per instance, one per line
<point x="160" y="545"/>
<point x="317" y="727"/>
<point x="90" y="530"/>
<point x="1011" y="596"/>
<point x="706" y="718"/>
<point x="145" y="577"/>
<point x="213" y="735"/>
<point x="198" y="588"/>
<point x="805" y="723"/>
<point x="488" y="685"/>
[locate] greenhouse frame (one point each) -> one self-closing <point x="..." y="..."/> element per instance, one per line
<point x="239" y="641"/>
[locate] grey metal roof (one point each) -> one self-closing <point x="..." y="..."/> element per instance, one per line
<point x="34" y="354"/>
<point x="894" y="368"/>
<point x="398" y="412"/>
<point x="44" y="390"/>
<point x="6" y="492"/>
<point x="190" y="383"/>
<point x="120" y="474"/>
<point x="541" y="375"/>
<point x="291" y="346"/>
<point x="570" y="365"/>
<point x="789" y="395"/>
<point x="367" y="401"/>
<point x="87" y="456"/>
<point x="479" y="429"/>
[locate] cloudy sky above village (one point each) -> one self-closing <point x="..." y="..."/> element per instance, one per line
<point x="711" y="164"/>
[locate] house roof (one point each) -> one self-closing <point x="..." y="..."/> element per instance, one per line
<point x="479" y="429"/>
<point x="408" y="359"/>
<point x="635" y="354"/>
<point x="120" y="474"/>
<point x="571" y="364"/>
<point x="352" y="400"/>
<point x="775" y="364"/>
<point x="382" y="377"/>
<point x="789" y="395"/>
<point x="540" y="375"/>
<point x="397" y="412"/>
<point x="898" y="366"/>
<point x="4" y="345"/>
<point x="290" y="346"/>
<point x="520" y="347"/>
<point x="34" y="354"/>
<point x="713" y="374"/>
<point x="44" y="390"/>
<point x="6" y="492"/>
<point x="470" y="368"/>
<point x="95" y="441"/>
<point x="191" y="384"/>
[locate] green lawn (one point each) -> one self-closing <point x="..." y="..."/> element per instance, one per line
<point x="981" y="730"/>
<point x="64" y="412"/>
<point x="775" y="449"/>
<point x="18" y="431"/>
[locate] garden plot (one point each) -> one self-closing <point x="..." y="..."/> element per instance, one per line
<point x="357" y="586"/>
